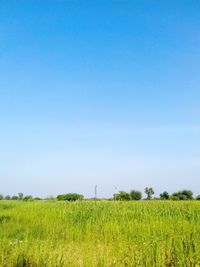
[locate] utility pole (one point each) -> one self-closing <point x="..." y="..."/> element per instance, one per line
<point x="95" y="192"/>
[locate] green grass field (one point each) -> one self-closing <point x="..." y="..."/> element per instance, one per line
<point x="145" y="233"/>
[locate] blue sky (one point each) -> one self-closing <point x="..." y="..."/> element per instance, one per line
<point x="99" y="92"/>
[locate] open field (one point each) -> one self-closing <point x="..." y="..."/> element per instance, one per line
<point x="145" y="233"/>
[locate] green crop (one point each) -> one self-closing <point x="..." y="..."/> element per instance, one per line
<point x="99" y="233"/>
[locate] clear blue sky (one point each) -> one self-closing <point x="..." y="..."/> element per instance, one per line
<point x="99" y="92"/>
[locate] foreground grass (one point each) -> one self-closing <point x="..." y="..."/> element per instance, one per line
<point x="145" y="233"/>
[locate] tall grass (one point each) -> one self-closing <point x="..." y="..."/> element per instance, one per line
<point x="145" y="233"/>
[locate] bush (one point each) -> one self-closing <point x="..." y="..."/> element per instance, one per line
<point x="1" y="197"/>
<point x="49" y="198"/>
<point x="7" y="197"/>
<point x="70" y="197"/>
<point x="174" y="197"/>
<point x="135" y="195"/>
<point x="122" y="196"/>
<point x="14" y="198"/>
<point x="198" y="197"/>
<point x="188" y="194"/>
<point x="28" y="198"/>
<point x="37" y="198"/>
<point x="183" y="195"/>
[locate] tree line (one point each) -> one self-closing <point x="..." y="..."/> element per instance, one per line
<point x="120" y="196"/>
<point x="149" y="191"/>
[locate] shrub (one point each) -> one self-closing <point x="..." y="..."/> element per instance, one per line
<point x="1" y="197"/>
<point x="183" y="195"/>
<point x="14" y="198"/>
<point x="70" y="197"/>
<point x="198" y="197"/>
<point x="37" y="198"/>
<point x="28" y="198"/>
<point x="188" y="194"/>
<point x="173" y="197"/>
<point x="49" y="198"/>
<point x="122" y="196"/>
<point x="135" y="195"/>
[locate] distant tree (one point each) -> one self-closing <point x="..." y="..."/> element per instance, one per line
<point x="28" y="198"/>
<point x="182" y="195"/>
<point x="1" y="197"/>
<point x="188" y="194"/>
<point x="122" y="196"/>
<point x="49" y="198"/>
<point x="178" y="196"/>
<point x="174" y="197"/>
<point x="14" y="198"/>
<point x="135" y="195"/>
<point x="20" y="196"/>
<point x="7" y="197"/>
<point x="198" y="197"/>
<point x="37" y="198"/>
<point x="70" y="197"/>
<point x="164" y="195"/>
<point x="149" y="192"/>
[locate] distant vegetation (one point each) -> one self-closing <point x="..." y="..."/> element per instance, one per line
<point x="70" y="197"/>
<point x="120" y="196"/>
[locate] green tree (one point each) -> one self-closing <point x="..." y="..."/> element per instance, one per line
<point x="164" y="195"/>
<point x="198" y="197"/>
<point x="149" y="192"/>
<point x="174" y="197"/>
<point x="183" y="195"/>
<point x="70" y="197"/>
<point x="14" y="198"/>
<point x="135" y="195"/>
<point x="188" y="194"/>
<point x="1" y="197"/>
<point x="37" y="198"/>
<point x="20" y="196"/>
<point x="28" y="198"/>
<point x="50" y="198"/>
<point x="7" y="197"/>
<point x="122" y="196"/>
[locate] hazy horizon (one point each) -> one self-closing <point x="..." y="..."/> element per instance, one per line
<point x="99" y="93"/>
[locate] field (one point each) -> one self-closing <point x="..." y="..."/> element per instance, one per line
<point x="101" y="233"/>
